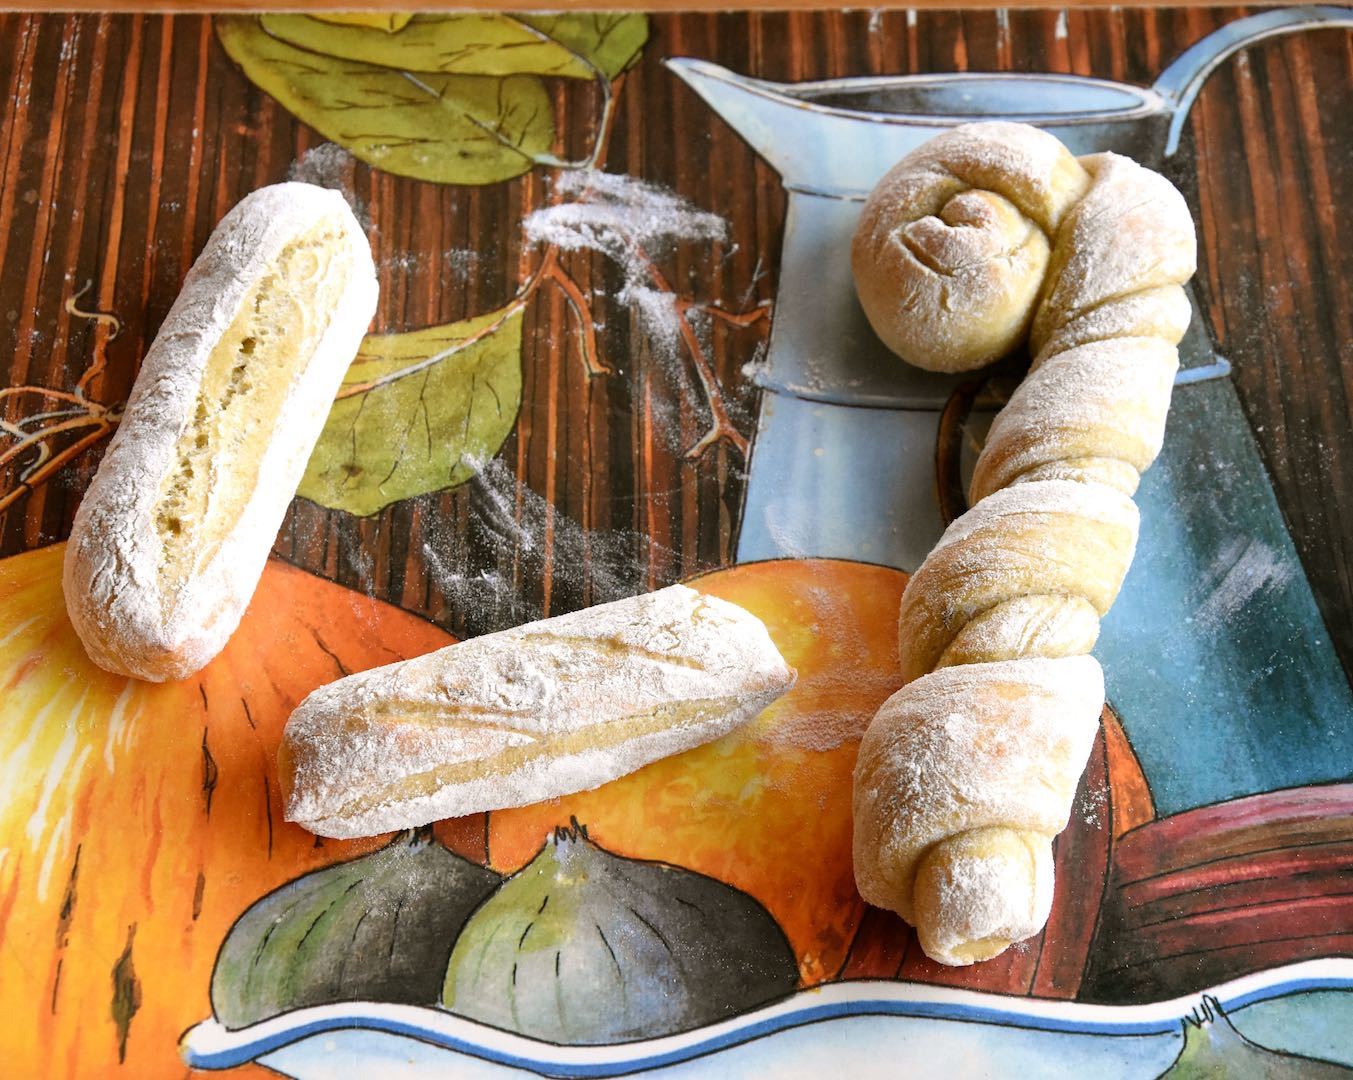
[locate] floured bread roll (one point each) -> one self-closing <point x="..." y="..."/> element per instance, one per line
<point x="171" y="537"/>
<point x="526" y="714"/>
<point x="994" y="235"/>
<point x="963" y="779"/>
<point x="988" y="237"/>
<point x="1023" y="566"/>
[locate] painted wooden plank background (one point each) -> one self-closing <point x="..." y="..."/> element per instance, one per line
<point x="125" y="137"/>
<point x="557" y="5"/>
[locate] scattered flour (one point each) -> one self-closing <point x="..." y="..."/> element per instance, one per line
<point x="592" y="565"/>
<point x="456" y="263"/>
<point x="789" y="537"/>
<point x="328" y="165"/>
<point x="1241" y="570"/>
<point x="631" y="221"/>
<point x="758" y="367"/>
<point x="461" y="261"/>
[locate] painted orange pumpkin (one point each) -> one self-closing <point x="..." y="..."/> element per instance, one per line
<point x="767" y="808"/>
<point x="137" y="821"/>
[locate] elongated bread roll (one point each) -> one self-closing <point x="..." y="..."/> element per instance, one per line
<point x="989" y="236"/>
<point x="511" y="718"/>
<point x="171" y="537"/>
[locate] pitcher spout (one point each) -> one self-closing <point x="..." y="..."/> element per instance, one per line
<point x="818" y="145"/>
<point x="756" y="110"/>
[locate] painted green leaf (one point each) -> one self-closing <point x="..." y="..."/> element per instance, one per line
<point x="450" y="129"/>
<point x="610" y="40"/>
<point x="418" y="412"/>
<point x="389" y="21"/>
<point x="560" y="46"/>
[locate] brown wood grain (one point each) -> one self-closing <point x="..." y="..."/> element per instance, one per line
<point x="666" y="6"/>
<point x="1081" y="858"/>
<point x="125" y="137"/>
<point x="1213" y="893"/>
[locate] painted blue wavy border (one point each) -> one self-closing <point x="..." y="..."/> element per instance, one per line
<point x="209" y="1046"/>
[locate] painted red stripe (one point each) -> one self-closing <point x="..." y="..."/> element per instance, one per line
<point x="1313" y="860"/>
<point x="1252" y="925"/>
<point x="1258" y="822"/>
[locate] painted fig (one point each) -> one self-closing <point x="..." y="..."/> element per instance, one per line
<point x="582" y="946"/>
<point x="1215" y="1050"/>
<point x="376" y="928"/>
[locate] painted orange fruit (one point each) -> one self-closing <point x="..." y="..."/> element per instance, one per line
<point x="137" y="821"/>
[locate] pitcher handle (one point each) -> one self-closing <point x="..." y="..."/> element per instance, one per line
<point x="1180" y="82"/>
<point x="949" y="493"/>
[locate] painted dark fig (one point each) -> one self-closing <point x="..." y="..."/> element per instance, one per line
<point x="375" y="928"/>
<point x="582" y="946"/>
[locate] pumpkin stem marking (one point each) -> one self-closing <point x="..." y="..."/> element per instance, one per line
<point x="570" y="833"/>
<point x="126" y="994"/>
<point x="210" y="773"/>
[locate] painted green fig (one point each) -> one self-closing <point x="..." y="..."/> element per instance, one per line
<point x="582" y="946"/>
<point x="376" y="928"/>
<point x="1215" y="1050"/>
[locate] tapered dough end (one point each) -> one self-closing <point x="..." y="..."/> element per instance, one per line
<point x="512" y="718"/>
<point x="978" y="893"/>
<point x="965" y="749"/>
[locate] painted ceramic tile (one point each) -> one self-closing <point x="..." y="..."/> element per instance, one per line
<point x="618" y="346"/>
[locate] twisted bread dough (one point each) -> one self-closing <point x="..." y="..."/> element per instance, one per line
<point x="960" y="812"/>
<point x="987" y="236"/>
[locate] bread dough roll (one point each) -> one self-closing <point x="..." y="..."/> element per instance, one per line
<point x="989" y="237"/>
<point x="526" y="714"/>
<point x="171" y="538"/>
<point x="1098" y="408"/>
<point x="1069" y="542"/>
<point x="954" y="242"/>
<point x="962" y="780"/>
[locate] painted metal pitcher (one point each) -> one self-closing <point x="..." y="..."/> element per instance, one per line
<point x="1215" y="648"/>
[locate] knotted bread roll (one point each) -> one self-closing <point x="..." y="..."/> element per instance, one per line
<point x="989" y="236"/>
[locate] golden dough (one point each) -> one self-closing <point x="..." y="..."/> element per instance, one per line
<point x="966" y="750"/>
<point x="988" y="237"/>
<point x="172" y="535"/>
<point x="526" y="714"/>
